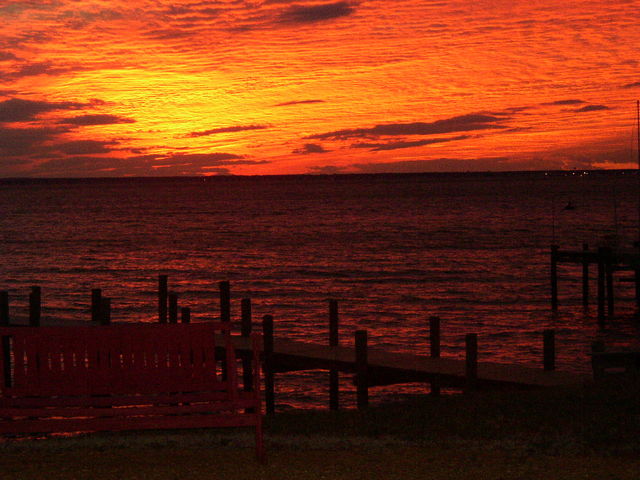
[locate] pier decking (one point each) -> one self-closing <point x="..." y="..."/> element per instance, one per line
<point x="386" y="368"/>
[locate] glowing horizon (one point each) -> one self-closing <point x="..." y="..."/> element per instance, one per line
<point x="193" y="87"/>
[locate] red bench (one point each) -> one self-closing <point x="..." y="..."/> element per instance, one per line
<point x="124" y="377"/>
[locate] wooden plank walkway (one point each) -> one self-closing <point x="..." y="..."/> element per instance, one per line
<point x="388" y="367"/>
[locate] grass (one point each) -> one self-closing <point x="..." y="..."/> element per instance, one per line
<point x="565" y="434"/>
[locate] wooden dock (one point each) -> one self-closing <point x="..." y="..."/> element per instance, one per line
<point x="608" y="261"/>
<point x="385" y="368"/>
<point x="375" y="367"/>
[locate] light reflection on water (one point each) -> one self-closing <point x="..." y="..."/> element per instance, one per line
<point x="393" y="250"/>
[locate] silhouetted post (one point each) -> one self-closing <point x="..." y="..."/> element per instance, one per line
<point x="105" y="311"/>
<point x="554" y="277"/>
<point x="96" y="299"/>
<point x="173" y="308"/>
<point x="434" y="350"/>
<point x="608" y="261"/>
<point x="334" y="378"/>
<point x="163" y="294"/>
<point x="225" y="301"/>
<point x="269" y="391"/>
<point x="35" y="306"/>
<point x="636" y="245"/>
<point x="601" y="285"/>
<point x="245" y="331"/>
<point x="246" y="321"/>
<point x="4" y="308"/>
<point x="5" y="345"/>
<point x="185" y="314"/>
<point x="637" y="278"/>
<point x="585" y="274"/>
<point x="362" y="367"/>
<point x="471" y="360"/>
<point x="549" y="350"/>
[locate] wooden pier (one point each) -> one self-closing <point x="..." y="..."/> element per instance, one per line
<point x="370" y="366"/>
<point x="608" y="261"/>
<point x="373" y="367"/>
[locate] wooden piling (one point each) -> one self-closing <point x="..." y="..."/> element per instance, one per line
<point x="246" y="322"/>
<point x="105" y="311"/>
<point x="554" y="278"/>
<point x="246" y="325"/>
<point x="549" y="350"/>
<point x="637" y="279"/>
<point x="434" y="350"/>
<point x="585" y="275"/>
<point x="362" y="366"/>
<point x="173" y="308"/>
<point x="7" y="378"/>
<point x="4" y="308"/>
<point x="225" y="301"/>
<point x="96" y="299"/>
<point x="334" y="377"/>
<point x="35" y="306"/>
<point x="163" y="294"/>
<point x="269" y="390"/>
<point x="608" y="262"/>
<point x="185" y="315"/>
<point x="471" y="360"/>
<point x="601" y="286"/>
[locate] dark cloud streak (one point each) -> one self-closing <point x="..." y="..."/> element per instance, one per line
<point x="377" y="147"/>
<point x="316" y="13"/>
<point x="239" y="128"/>
<point x="98" y="119"/>
<point x="21" y="110"/>
<point x="460" y="123"/>
<point x="297" y="102"/>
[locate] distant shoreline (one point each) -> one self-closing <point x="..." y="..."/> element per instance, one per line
<point x="483" y="173"/>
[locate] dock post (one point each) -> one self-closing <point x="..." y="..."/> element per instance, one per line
<point x="35" y="306"/>
<point x="5" y="351"/>
<point x="554" y="278"/>
<point x="609" y="281"/>
<point x="96" y="299"/>
<point x="163" y="293"/>
<point x="601" y="286"/>
<point x="105" y="311"/>
<point x="4" y="308"/>
<point x="225" y="301"/>
<point x="471" y="360"/>
<point x="185" y="314"/>
<point x="434" y="343"/>
<point x="362" y="361"/>
<point x="245" y="331"/>
<point x="585" y="275"/>
<point x="334" y="378"/>
<point x="637" y="278"/>
<point x="549" y="350"/>
<point x="173" y="308"/>
<point x="246" y="322"/>
<point x="269" y="390"/>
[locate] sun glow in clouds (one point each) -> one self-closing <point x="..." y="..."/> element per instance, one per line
<point x="196" y="87"/>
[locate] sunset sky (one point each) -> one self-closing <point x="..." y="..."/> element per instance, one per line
<point x="195" y="87"/>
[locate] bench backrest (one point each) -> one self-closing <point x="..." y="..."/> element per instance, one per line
<point x="121" y="359"/>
